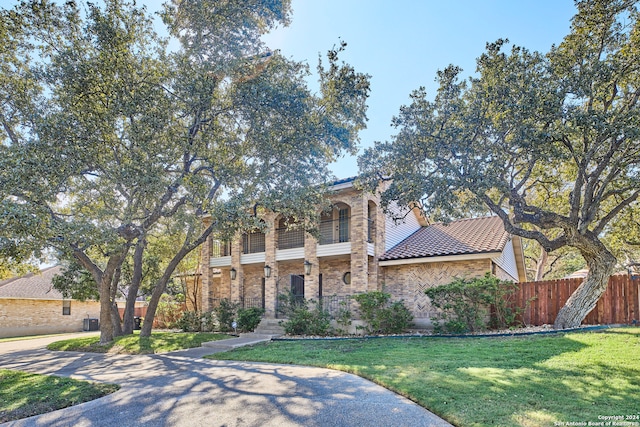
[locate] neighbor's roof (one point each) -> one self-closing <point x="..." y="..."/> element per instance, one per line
<point x="32" y="286"/>
<point x="462" y="237"/>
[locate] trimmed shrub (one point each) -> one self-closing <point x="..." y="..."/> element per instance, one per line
<point x="343" y="318"/>
<point x="189" y="322"/>
<point x="194" y="321"/>
<point x="226" y="314"/>
<point x="471" y="305"/>
<point x="382" y="316"/>
<point x="249" y="318"/>
<point x="301" y="320"/>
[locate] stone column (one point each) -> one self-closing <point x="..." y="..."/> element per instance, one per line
<point x="311" y="282"/>
<point x="205" y="269"/>
<point x="359" y="257"/>
<point x="270" y="291"/>
<point x="236" y="285"/>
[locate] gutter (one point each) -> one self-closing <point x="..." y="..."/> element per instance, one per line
<point x="445" y="258"/>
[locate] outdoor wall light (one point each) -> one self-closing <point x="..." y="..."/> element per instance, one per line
<point x="233" y="273"/>
<point x="307" y="268"/>
<point x="267" y="271"/>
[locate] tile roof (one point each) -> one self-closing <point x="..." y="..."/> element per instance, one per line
<point x="462" y="237"/>
<point x="32" y="286"/>
<point x="343" y="181"/>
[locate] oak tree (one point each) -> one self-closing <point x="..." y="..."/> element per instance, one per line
<point x="109" y="135"/>
<point x="549" y="142"/>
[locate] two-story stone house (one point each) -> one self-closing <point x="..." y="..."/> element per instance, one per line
<point x="359" y="249"/>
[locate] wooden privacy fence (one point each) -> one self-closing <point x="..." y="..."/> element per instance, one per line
<point x="620" y="303"/>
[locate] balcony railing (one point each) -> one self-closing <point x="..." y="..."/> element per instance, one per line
<point x="289" y="239"/>
<point x="253" y="243"/>
<point x="334" y="231"/>
<point x="371" y="230"/>
<point x="220" y="249"/>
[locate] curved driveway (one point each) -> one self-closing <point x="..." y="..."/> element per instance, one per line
<point x="173" y="389"/>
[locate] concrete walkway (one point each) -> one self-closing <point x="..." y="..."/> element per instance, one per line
<point x="182" y="389"/>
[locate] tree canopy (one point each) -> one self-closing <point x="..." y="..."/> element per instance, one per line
<point x="109" y="138"/>
<point x="549" y="142"/>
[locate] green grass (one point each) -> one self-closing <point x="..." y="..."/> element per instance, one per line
<point x="159" y="342"/>
<point x="23" y="395"/>
<point x="516" y="381"/>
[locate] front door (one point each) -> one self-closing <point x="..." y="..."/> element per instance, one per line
<point x="297" y="287"/>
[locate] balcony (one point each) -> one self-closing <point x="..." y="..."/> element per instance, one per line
<point x="220" y="248"/>
<point x="289" y="238"/>
<point x="371" y="230"/>
<point x="220" y="254"/>
<point x="253" y="243"/>
<point x="334" y="231"/>
<point x="253" y="248"/>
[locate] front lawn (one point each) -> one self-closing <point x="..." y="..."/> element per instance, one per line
<point x="159" y="342"/>
<point x="518" y="381"/>
<point x="24" y="395"/>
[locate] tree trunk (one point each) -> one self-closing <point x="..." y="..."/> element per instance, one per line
<point x="115" y="314"/>
<point x="106" y="326"/>
<point x="161" y="284"/>
<point x="129" y="309"/>
<point x="541" y="264"/>
<point x="601" y="265"/>
<point x="115" y="320"/>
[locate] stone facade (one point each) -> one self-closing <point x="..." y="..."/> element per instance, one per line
<point x="20" y="317"/>
<point x="343" y="267"/>
<point x="409" y="281"/>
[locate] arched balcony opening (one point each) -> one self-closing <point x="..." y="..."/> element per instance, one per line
<point x="335" y="224"/>
<point x="372" y="210"/>
<point x="289" y="234"/>
<point x="253" y="242"/>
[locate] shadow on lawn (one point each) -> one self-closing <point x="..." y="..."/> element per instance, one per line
<point x="525" y="382"/>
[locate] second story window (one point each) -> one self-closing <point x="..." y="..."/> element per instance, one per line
<point x="253" y="242"/>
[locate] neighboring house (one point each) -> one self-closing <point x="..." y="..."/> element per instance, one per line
<point x="29" y="305"/>
<point x="359" y="249"/>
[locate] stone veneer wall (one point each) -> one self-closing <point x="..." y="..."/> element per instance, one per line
<point x="501" y="274"/>
<point x="253" y="275"/>
<point x="20" y="317"/>
<point x="333" y="269"/>
<point x="363" y="268"/>
<point x="409" y="281"/>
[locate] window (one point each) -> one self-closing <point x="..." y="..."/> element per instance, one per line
<point x="66" y="308"/>
<point x="346" y="278"/>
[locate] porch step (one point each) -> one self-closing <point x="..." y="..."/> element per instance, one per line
<point x="242" y="341"/>
<point x="270" y="327"/>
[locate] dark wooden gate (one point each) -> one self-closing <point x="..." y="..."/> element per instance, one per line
<point x="297" y="286"/>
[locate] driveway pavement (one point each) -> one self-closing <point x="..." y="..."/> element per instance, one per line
<point x="182" y="389"/>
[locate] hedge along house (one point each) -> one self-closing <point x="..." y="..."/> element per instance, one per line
<point x="29" y="305"/>
<point x="359" y="249"/>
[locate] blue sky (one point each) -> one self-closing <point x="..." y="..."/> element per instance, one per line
<point x="402" y="43"/>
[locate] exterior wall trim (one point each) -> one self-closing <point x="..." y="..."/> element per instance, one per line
<point x="334" y="249"/>
<point x="223" y="261"/>
<point x="485" y="255"/>
<point x="252" y="258"/>
<point x="287" y="254"/>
